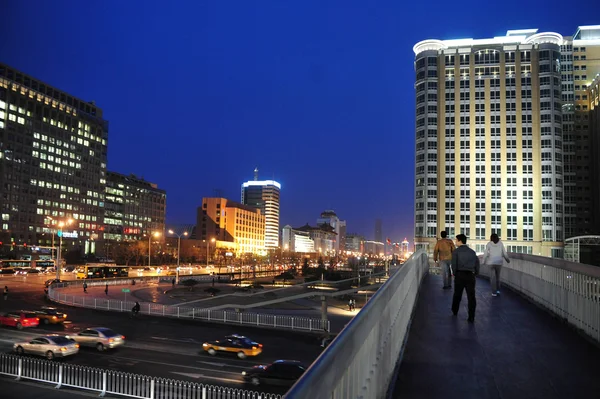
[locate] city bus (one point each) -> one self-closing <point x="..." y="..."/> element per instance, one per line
<point x="102" y="270"/>
<point x="41" y="265"/>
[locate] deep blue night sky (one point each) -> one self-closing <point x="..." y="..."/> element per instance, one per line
<point x="319" y="95"/>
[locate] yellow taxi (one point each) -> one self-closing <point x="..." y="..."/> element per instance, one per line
<point x="50" y="315"/>
<point x="241" y="346"/>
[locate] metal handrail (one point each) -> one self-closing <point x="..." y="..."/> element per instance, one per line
<point x="360" y="362"/>
<point x="116" y="382"/>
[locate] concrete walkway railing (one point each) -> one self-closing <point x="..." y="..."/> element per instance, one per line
<point x="283" y="322"/>
<point x="360" y="362"/>
<point x="567" y="289"/>
<point x="115" y="382"/>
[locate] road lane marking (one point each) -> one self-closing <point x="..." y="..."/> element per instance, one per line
<point x="198" y="376"/>
<point x="173" y="365"/>
<point x="189" y="340"/>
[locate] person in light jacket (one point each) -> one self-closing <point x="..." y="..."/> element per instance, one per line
<point x="494" y="256"/>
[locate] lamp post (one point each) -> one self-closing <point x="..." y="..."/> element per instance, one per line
<point x="207" y="242"/>
<point x="185" y="233"/>
<point x="155" y="234"/>
<point x="52" y="234"/>
<point x="58" y="255"/>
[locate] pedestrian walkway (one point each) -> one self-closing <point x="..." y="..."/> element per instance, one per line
<point x="513" y="350"/>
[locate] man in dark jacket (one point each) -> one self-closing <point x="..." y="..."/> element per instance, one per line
<point x="466" y="266"/>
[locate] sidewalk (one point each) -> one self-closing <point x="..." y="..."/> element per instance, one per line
<point x="38" y="390"/>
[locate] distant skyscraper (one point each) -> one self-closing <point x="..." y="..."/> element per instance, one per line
<point x="339" y="226"/>
<point x="378" y="231"/>
<point x="264" y="195"/>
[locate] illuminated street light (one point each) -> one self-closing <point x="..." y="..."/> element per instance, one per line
<point x="207" y="242"/>
<point x="58" y="265"/>
<point x="185" y="233"/>
<point x="155" y="234"/>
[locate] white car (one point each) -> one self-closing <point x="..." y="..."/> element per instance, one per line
<point x="100" y="338"/>
<point x="49" y="346"/>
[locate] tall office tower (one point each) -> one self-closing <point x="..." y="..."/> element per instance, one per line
<point x="264" y="195"/>
<point x="580" y="63"/>
<point x="52" y="164"/>
<point x="378" y="230"/>
<point x="133" y="208"/>
<point x="489" y="141"/>
<point x="339" y="226"/>
<point x="594" y="106"/>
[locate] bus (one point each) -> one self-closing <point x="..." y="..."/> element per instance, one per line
<point x="102" y="270"/>
<point x="41" y="265"/>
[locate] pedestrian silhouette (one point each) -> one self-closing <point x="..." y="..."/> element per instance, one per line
<point x="173" y="283"/>
<point x="5" y="292"/>
<point x="85" y="287"/>
<point x="106" y="289"/>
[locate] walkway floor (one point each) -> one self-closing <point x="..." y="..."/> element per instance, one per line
<point x="513" y="350"/>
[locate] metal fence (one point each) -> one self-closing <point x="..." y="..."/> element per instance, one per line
<point x="216" y="316"/>
<point x="568" y="289"/>
<point x="360" y="362"/>
<point x="116" y="382"/>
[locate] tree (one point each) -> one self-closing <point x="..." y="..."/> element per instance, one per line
<point x="189" y="283"/>
<point x="305" y="267"/>
<point x="285" y="276"/>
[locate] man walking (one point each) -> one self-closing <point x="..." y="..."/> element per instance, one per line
<point x="443" y="253"/>
<point x="466" y="266"/>
<point x="5" y="292"/>
<point x="85" y="287"/>
<point x="106" y="289"/>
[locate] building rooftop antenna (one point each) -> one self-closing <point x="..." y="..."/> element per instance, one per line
<point x="256" y="174"/>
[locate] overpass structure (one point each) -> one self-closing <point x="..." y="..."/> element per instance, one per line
<point x="539" y="339"/>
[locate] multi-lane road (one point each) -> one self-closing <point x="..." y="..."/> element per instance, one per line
<point x="156" y="346"/>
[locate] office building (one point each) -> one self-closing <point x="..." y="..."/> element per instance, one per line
<point x="593" y="94"/>
<point x="354" y="243"/>
<point x="489" y="141"/>
<point x="53" y="150"/>
<point x="323" y="236"/>
<point x="229" y="221"/>
<point x="264" y="195"/>
<point x="339" y="226"/>
<point x="296" y="240"/>
<point x="374" y="248"/>
<point x="580" y="63"/>
<point x="133" y="208"/>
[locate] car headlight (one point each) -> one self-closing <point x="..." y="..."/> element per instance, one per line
<point x="243" y="373"/>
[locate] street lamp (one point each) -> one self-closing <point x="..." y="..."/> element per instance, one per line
<point x="58" y="255"/>
<point x="155" y="234"/>
<point x="207" y="242"/>
<point x="52" y="232"/>
<point x="185" y="233"/>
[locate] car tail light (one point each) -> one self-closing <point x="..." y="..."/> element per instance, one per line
<point x="254" y="348"/>
<point x="64" y="316"/>
<point x="122" y="337"/>
<point x="260" y="345"/>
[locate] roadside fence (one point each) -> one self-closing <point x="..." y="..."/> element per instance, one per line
<point x="116" y="382"/>
<point x="282" y="322"/>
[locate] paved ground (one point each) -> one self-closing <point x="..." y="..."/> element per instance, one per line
<point x="338" y="313"/>
<point x="513" y="350"/>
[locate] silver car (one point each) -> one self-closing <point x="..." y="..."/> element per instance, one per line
<point x="99" y="337"/>
<point x="49" y="346"/>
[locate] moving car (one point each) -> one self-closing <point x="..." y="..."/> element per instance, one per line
<point x="238" y="344"/>
<point x="49" y="346"/>
<point x="99" y="337"/>
<point x="50" y="315"/>
<point x="280" y="372"/>
<point x="19" y="319"/>
<point x="52" y="281"/>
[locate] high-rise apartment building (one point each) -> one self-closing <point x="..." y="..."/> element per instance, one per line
<point x="53" y="150"/>
<point x="264" y="195"/>
<point x="339" y="226"/>
<point x="489" y="141"/>
<point x="580" y="63"/>
<point x="133" y="208"/>
<point x="229" y="221"/>
<point x="593" y="94"/>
